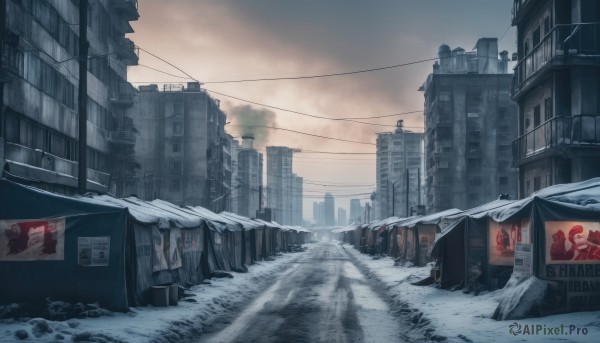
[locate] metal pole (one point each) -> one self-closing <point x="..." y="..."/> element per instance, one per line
<point x="2" y="35"/>
<point x="387" y="198"/>
<point x="407" y="213"/>
<point x="394" y="198"/>
<point x="419" y="185"/>
<point x="83" y="55"/>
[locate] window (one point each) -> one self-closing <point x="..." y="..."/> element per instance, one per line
<point x="537" y="183"/>
<point x="177" y="128"/>
<point x="536" y="116"/>
<point x="444" y="96"/>
<point x="536" y="37"/>
<point x="548" y="109"/>
<point x="176" y="147"/>
<point x="177" y="108"/>
<point x="503" y="180"/>
<point x="175" y="166"/>
<point x="473" y="163"/>
<point x="175" y="185"/>
<point x="546" y="25"/>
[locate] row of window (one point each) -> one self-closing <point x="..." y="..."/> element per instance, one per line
<point x="26" y="132"/>
<point x="54" y="24"/>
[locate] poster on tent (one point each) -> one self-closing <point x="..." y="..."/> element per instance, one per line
<point x="503" y="238"/>
<point x="192" y="241"/>
<point x="400" y="236"/>
<point x="572" y="242"/>
<point x="426" y="238"/>
<point x="159" y="261"/>
<point x="175" y="245"/>
<point x="93" y="251"/>
<point x="32" y="240"/>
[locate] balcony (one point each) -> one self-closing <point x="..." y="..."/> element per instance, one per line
<point x="128" y="52"/>
<point x="127" y="8"/>
<point x="558" y="135"/>
<point x="37" y="164"/>
<point x="564" y="44"/>
<point x="121" y="137"/>
<point x="520" y="7"/>
<point x="8" y="69"/>
<point x="123" y="95"/>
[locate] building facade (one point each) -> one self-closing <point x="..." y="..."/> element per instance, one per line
<point x="297" y="198"/>
<point x="341" y="218"/>
<point x="318" y="208"/>
<point x="249" y="179"/>
<point x="180" y="147"/>
<point x="356" y="211"/>
<point x="329" y="210"/>
<point x="39" y="75"/>
<point x="557" y="90"/>
<point x="279" y="183"/>
<point x="469" y="127"/>
<point x="399" y="162"/>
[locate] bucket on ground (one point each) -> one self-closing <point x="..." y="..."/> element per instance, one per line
<point x="160" y="295"/>
<point x="173" y="294"/>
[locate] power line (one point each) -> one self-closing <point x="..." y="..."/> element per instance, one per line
<point x="306" y="134"/>
<point x="325" y="75"/>
<point x="161" y="71"/>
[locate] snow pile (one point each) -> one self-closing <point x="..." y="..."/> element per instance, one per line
<point x="521" y="298"/>
<point x="207" y="303"/>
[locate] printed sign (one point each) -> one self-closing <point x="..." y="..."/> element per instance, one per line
<point x="174" y="249"/>
<point x="32" y="240"/>
<point x="569" y="242"/>
<point x="93" y="251"/>
<point x="159" y="262"/>
<point x="523" y="259"/>
<point x="192" y="241"/>
<point x="502" y="240"/>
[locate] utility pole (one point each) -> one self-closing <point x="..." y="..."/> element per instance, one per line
<point x="83" y="56"/>
<point x="2" y="35"/>
<point x="407" y="214"/>
<point x="393" y="198"/>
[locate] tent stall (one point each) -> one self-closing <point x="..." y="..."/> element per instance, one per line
<point x="167" y="246"/>
<point x="397" y="239"/>
<point x="254" y="235"/>
<point x="419" y="234"/>
<point x="459" y="248"/>
<point x="561" y="245"/>
<point x="63" y="248"/>
<point x="480" y="245"/>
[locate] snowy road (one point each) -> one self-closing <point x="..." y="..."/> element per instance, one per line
<point x="323" y="297"/>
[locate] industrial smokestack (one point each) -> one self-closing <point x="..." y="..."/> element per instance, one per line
<point x="247" y="141"/>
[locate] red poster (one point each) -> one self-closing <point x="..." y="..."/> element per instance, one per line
<point x="570" y="242"/>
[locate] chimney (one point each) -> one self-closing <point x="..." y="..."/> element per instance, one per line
<point x="399" y="125"/>
<point x="247" y="141"/>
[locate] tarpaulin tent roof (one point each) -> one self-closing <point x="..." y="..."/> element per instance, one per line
<point x="248" y="223"/>
<point x="53" y="266"/>
<point x="401" y="222"/>
<point x="177" y="217"/>
<point x="217" y="221"/>
<point x="578" y="192"/>
<point x="433" y="218"/>
<point x="383" y="222"/>
<point x="140" y="213"/>
<point x="347" y="228"/>
<point x="270" y="224"/>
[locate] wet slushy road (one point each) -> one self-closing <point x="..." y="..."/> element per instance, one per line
<point x="323" y="297"/>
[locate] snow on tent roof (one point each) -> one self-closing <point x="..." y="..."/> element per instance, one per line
<point x="433" y="218"/>
<point x="186" y="211"/>
<point x="575" y="193"/>
<point x="210" y="215"/>
<point x="248" y="223"/>
<point x="301" y="229"/>
<point x="402" y="222"/>
<point x="176" y="217"/>
<point x="383" y="222"/>
<point x="269" y="224"/>
<point x="140" y="213"/>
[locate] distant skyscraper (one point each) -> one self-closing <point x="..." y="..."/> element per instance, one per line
<point x="356" y="211"/>
<point x="342" y="217"/>
<point x="399" y="156"/>
<point x="279" y="183"/>
<point x="318" y="213"/>
<point x="297" y="183"/>
<point x="329" y="210"/>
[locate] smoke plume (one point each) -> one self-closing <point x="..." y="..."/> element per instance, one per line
<point x="257" y="118"/>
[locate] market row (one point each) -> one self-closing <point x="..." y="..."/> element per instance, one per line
<point x="98" y="248"/>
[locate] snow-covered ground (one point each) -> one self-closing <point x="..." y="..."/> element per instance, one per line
<point x="156" y="324"/>
<point x="464" y="317"/>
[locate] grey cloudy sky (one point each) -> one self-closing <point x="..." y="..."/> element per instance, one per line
<point x="226" y="39"/>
